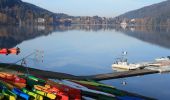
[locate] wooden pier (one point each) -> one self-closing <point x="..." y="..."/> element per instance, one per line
<point x="57" y="75"/>
<point x="123" y="74"/>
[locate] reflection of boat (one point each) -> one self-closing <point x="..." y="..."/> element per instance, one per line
<point x="10" y="51"/>
<point x="163" y="59"/>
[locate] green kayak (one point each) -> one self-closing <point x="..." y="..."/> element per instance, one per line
<point x="9" y="95"/>
<point x="100" y="87"/>
<point x="1" y="96"/>
<point x="32" y="80"/>
<point x="48" y="95"/>
<point x="34" y="96"/>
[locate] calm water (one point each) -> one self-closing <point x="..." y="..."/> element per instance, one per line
<point x="87" y="50"/>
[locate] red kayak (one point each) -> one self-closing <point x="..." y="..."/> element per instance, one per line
<point x="4" y="51"/>
<point x="74" y="94"/>
<point x="10" y="51"/>
<point x="11" y="77"/>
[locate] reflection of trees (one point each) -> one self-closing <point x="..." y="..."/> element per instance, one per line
<point x="154" y="35"/>
<point x="10" y="36"/>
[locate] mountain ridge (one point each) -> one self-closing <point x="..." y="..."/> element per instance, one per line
<point x="154" y="14"/>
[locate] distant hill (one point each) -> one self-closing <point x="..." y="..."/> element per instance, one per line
<point x="19" y="12"/>
<point x="154" y="14"/>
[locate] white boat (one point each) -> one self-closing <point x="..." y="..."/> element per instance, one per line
<point x="163" y="59"/>
<point x="126" y="65"/>
<point x="122" y="63"/>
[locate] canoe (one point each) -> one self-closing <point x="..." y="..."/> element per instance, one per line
<point x="32" y="80"/>
<point x="49" y="95"/>
<point x="36" y="79"/>
<point x="89" y="92"/>
<point x="11" y="77"/>
<point x="33" y="96"/>
<point x="14" y="50"/>
<point x="4" y="51"/>
<point x="8" y="95"/>
<point x="128" y="98"/>
<point x="10" y="51"/>
<point x="1" y="96"/>
<point x="52" y="90"/>
<point x="100" y="87"/>
<point x="74" y="94"/>
<point x="20" y="94"/>
<point x="17" y="85"/>
<point x="6" y="76"/>
<point x="7" y="85"/>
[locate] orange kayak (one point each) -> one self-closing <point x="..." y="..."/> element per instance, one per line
<point x="11" y="77"/>
<point x="14" y="50"/>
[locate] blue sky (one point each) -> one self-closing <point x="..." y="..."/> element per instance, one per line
<point x="107" y="8"/>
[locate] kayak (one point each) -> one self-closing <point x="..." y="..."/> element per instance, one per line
<point x="14" y="50"/>
<point x="89" y="92"/>
<point x="32" y="80"/>
<point x="7" y="85"/>
<point x="1" y="96"/>
<point x="52" y="90"/>
<point x="33" y="96"/>
<point x="8" y="95"/>
<point x="21" y="94"/>
<point x="4" y="51"/>
<point x="128" y="98"/>
<point x="101" y="87"/>
<point x="11" y="77"/>
<point x="10" y="51"/>
<point x="49" y="95"/>
<point x="18" y="85"/>
<point x="74" y="94"/>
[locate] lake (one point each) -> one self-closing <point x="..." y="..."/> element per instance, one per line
<point x="88" y="50"/>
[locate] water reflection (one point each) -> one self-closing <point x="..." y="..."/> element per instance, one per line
<point x="155" y="35"/>
<point x="10" y="36"/>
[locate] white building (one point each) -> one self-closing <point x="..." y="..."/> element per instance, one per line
<point x="41" y="20"/>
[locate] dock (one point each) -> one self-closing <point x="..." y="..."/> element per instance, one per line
<point x="16" y="69"/>
<point x="123" y="74"/>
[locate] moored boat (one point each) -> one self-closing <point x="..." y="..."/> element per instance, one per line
<point x="8" y="95"/>
<point x="163" y="59"/>
<point x="128" y="98"/>
<point x="20" y="94"/>
<point x="74" y="94"/>
<point x="32" y="80"/>
<point x="100" y="87"/>
<point x="33" y="96"/>
<point x="52" y="90"/>
<point x="89" y="92"/>
<point x="4" y="51"/>
<point x="7" y="51"/>
<point x="49" y="95"/>
<point x="11" y="77"/>
<point x="14" y="50"/>
<point x="1" y="96"/>
<point x="126" y="65"/>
